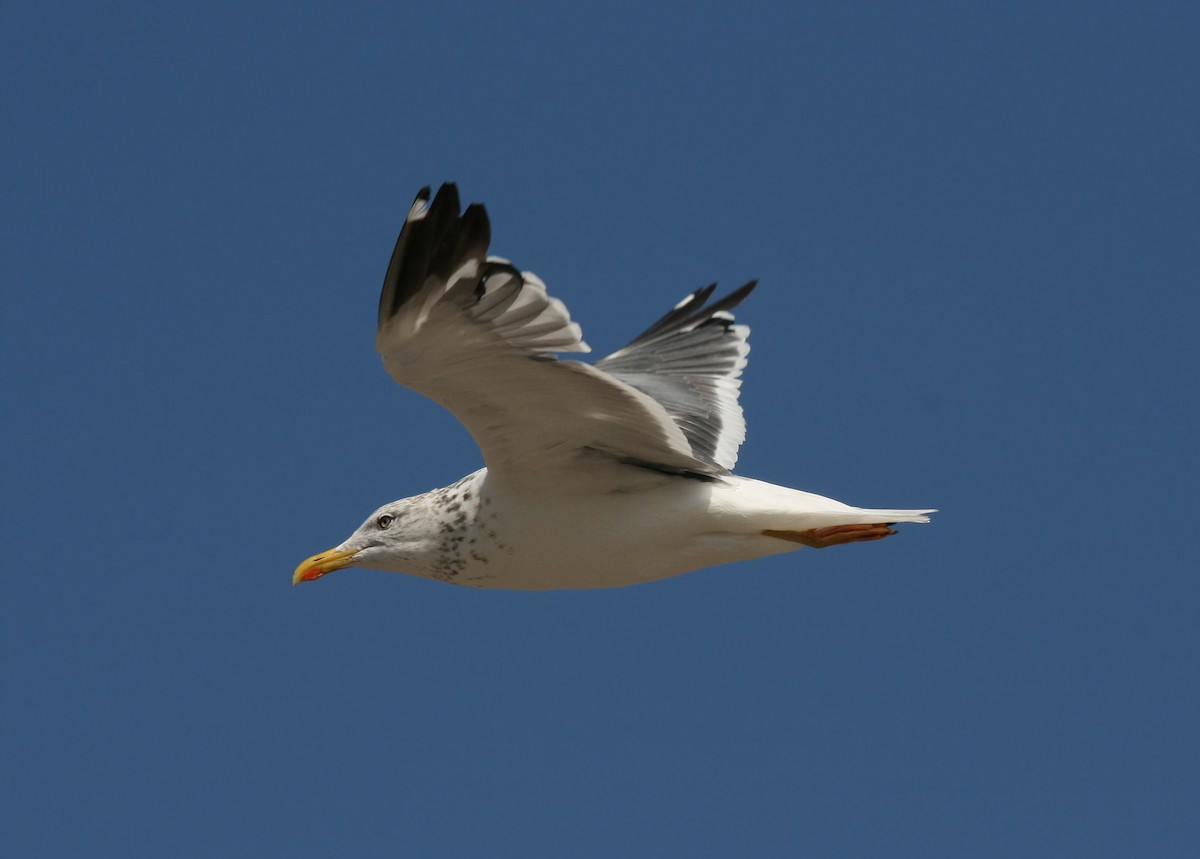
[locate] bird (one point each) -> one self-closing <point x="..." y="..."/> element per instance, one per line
<point x="595" y="475"/>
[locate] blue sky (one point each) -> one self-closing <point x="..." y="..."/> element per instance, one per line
<point x="978" y="240"/>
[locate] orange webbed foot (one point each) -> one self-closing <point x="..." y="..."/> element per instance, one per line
<point x="823" y="538"/>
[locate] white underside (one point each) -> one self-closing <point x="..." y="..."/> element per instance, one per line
<point x="667" y="527"/>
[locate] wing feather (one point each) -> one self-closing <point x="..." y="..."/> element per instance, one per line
<point x="479" y="336"/>
<point x="691" y="362"/>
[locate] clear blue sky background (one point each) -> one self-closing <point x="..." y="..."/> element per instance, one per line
<point x="978" y="237"/>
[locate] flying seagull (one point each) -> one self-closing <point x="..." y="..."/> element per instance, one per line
<point x="597" y="475"/>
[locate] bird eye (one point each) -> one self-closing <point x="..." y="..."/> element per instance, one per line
<point x="384" y="521"/>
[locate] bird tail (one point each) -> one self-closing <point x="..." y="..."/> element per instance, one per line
<point x="889" y="516"/>
<point x="810" y="519"/>
<point x="779" y="508"/>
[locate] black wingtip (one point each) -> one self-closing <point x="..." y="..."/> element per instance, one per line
<point x="701" y="295"/>
<point x="433" y="241"/>
<point x="695" y="309"/>
<point x="736" y="297"/>
<point x="727" y="303"/>
<point x="445" y="203"/>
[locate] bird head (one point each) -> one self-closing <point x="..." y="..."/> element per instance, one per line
<point x="388" y="539"/>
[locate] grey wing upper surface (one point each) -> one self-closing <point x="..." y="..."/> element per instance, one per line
<point x="479" y="336"/>
<point x="691" y="362"/>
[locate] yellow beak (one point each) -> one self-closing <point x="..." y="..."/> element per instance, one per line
<point x="319" y="565"/>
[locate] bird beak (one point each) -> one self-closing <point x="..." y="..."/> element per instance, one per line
<point x="319" y="565"/>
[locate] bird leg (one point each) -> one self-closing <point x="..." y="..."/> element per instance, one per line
<point x="821" y="538"/>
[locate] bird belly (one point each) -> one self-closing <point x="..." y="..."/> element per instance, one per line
<point x="608" y="539"/>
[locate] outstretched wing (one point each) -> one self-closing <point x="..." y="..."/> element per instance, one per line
<point x="478" y="336"/>
<point x="690" y="362"/>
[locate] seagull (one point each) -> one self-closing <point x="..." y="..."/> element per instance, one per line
<point x="597" y="475"/>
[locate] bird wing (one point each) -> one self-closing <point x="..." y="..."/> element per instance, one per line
<point x="691" y="362"/>
<point x="477" y="335"/>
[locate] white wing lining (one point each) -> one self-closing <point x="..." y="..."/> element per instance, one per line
<point x="479" y="336"/>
